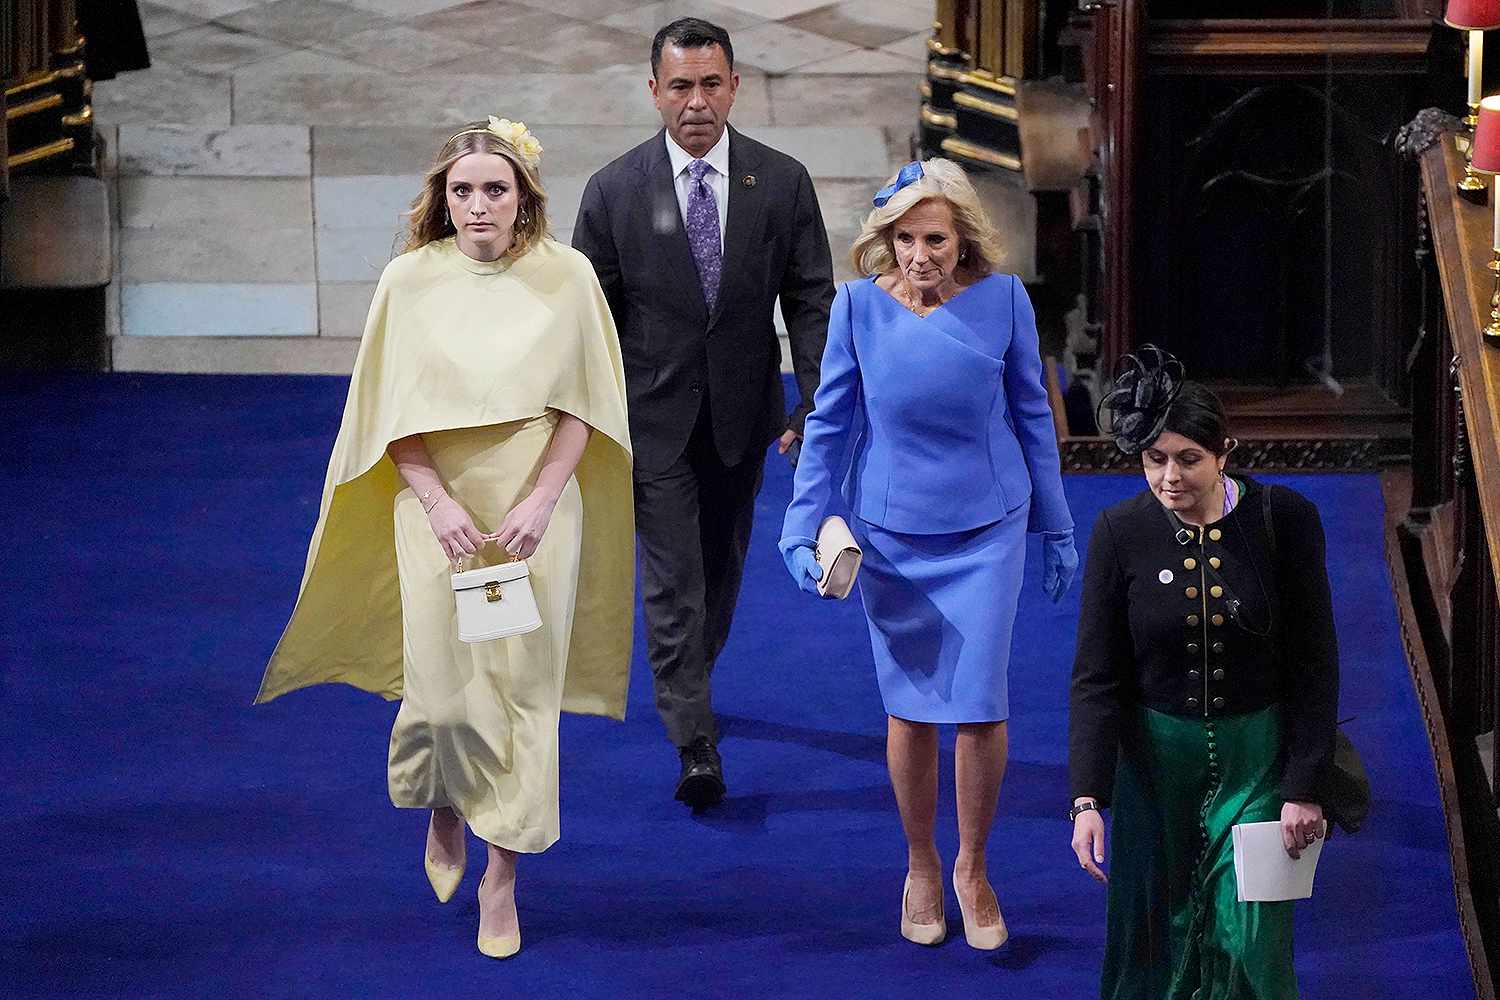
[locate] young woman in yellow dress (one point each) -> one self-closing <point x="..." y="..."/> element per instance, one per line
<point x="487" y="406"/>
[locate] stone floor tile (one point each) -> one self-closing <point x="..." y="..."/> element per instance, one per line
<point x="108" y="139"/>
<point x="829" y="151"/>
<point x="867" y="23"/>
<point x="618" y="98"/>
<point x="584" y="10"/>
<point x="299" y="62"/>
<point x="397" y="48"/>
<point x="356" y="254"/>
<point x="213" y="48"/>
<point x="343" y="306"/>
<point x="364" y="202"/>
<point x="647" y="19"/>
<point x="206" y="10"/>
<point x="204" y="202"/>
<point x="300" y="22"/>
<point x="774" y="10"/>
<point x="163" y="94"/>
<point x="564" y="193"/>
<point x="506" y="59"/>
<point x="236" y="151"/>
<point x="578" y="151"/>
<point x="254" y="355"/>
<point x="846" y="201"/>
<point x="399" y="9"/>
<point x="592" y="48"/>
<point x="342" y="151"/>
<point x="776" y="48"/>
<point x="222" y="254"/>
<point x="900" y="143"/>
<point x="171" y="309"/>
<point x="847" y="100"/>
<point x="158" y="20"/>
<point x="862" y="62"/>
<point x="112" y="306"/>
<point x="752" y="102"/>
<point x="493" y="22"/>
<point x="913" y="47"/>
<point x="839" y="242"/>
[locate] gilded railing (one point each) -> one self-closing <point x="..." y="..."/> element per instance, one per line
<point x="48" y="117"/>
<point x="980" y="50"/>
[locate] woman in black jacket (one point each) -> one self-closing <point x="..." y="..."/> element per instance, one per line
<point x="1207" y="665"/>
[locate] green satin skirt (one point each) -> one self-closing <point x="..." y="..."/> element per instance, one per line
<point x="1176" y="930"/>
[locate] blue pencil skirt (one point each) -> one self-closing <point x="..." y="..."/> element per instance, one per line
<point x="941" y="609"/>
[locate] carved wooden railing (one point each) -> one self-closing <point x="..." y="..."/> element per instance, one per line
<point x="1445" y="550"/>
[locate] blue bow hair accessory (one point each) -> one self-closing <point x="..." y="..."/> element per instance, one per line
<point x="910" y="174"/>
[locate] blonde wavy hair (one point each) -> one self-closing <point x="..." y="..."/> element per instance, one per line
<point x="429" y="210"/>
<point x="979" y="242"/>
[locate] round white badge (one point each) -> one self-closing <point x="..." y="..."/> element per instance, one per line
<point x="1165" y="576"/>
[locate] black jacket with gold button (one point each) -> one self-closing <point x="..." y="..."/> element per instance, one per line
<point x="1206" y="622"/>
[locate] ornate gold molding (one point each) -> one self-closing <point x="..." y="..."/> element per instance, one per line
<point x="41" y="104"/>
<point x="979" y="78"/>
<point x="971" y="151"/>
<point x="46" y="79"/>
<point x="997" y="110"/>
<point x="48" y="151"/>
<point x="938" y="119"/>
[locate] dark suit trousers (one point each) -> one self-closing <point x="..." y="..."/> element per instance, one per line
<point x="693" y="527"/>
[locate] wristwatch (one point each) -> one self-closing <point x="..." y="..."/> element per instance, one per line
<point x="1082" y="807"/>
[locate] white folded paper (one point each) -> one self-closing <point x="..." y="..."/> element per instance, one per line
<point x="1263" y="869"/>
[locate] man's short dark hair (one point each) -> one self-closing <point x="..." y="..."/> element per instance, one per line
<point x="690" y="33"/>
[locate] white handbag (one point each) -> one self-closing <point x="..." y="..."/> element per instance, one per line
<point x="494" y="602"/>
<point x="839" y="555"/>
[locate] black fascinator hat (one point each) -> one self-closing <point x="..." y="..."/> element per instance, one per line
<point x="1146" y="385"/>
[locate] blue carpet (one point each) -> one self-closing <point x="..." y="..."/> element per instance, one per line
<point x="168" y="840"/>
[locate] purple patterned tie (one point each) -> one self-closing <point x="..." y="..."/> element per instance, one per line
<point x="703" y="231"/>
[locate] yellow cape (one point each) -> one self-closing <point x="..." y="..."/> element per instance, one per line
<point x="452" y="343"/>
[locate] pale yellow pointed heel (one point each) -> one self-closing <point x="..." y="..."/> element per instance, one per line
<point x="921" y="933"/>
<point x="981" y="938"/>
<point x="444" y="879"/>
<point x="499" y="947"/>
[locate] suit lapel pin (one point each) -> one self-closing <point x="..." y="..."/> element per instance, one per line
<point x="748" y="180"/>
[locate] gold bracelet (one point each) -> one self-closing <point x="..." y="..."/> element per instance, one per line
<point x="422" y="499"/>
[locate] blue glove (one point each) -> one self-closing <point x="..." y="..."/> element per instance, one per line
<point x="798" y="555"/>
<point x="1060" y="562"/>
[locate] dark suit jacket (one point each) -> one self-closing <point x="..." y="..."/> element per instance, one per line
<point x="630" y="226"/>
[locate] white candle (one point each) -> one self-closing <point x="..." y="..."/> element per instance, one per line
<point x="1476" y="65"/>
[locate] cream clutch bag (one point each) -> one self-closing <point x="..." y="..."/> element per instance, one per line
<point x="494" y="602"/>
<point x="839" y="555"/>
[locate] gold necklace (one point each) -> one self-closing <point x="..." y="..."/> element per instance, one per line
<point x="915" y="304"/>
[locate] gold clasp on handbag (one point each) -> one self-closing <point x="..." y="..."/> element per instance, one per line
<point x="492" y="591"/>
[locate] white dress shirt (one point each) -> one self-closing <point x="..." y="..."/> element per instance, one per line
<point x="717" y="178"/>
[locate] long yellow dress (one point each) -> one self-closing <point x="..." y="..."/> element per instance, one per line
<point x="480" y="359"/>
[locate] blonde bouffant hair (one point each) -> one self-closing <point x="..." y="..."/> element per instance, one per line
<point x="979" y="243"/>
<point x="429" y="210"/>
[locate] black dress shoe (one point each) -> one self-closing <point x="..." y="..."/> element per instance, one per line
<point x="702" y="780"/>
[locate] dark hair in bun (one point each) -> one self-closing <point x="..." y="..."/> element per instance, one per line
<point x="1151" y="394"/>
<point x="1198" y="416"/>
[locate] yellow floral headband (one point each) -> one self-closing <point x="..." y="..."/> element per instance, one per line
<point x="515" y="134"/>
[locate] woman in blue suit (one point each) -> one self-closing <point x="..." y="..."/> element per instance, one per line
<point x="932" y="390"/>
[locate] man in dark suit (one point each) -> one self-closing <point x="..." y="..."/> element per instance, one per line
<point x="694" y="235"/>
